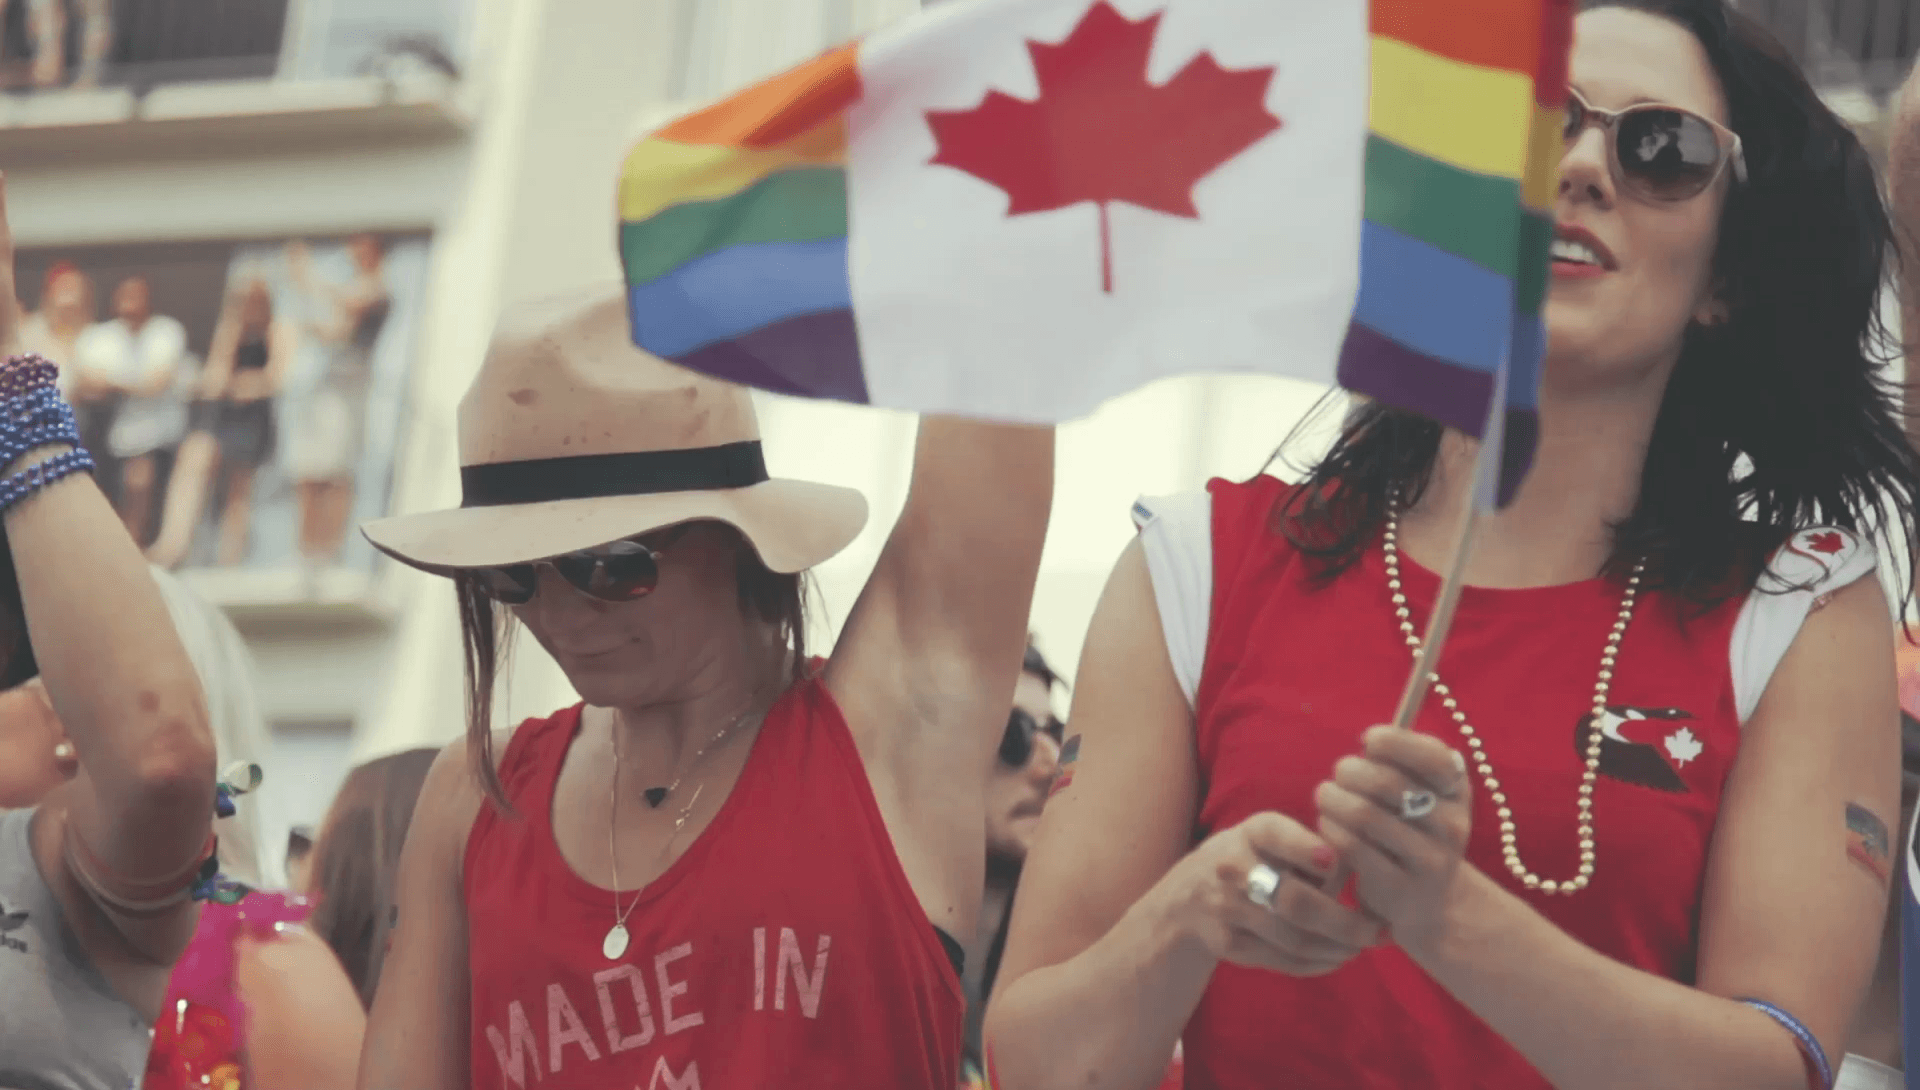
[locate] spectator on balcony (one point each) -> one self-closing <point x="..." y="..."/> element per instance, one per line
<point x="142" y="358"/>
<point x="232" y="426"/>
<point x="67" y="309"/>
<point x="48" y="23"/>
<point x="327" y="438"/>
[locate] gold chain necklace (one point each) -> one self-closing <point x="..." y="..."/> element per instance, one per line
<point x="615" y="944"/>
<point x="1509" y="837"/>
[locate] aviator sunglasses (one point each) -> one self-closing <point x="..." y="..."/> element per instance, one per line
<point x="1016" y="746"/>
<point x="1660" y="153"/>
<point x="619" y="571"/>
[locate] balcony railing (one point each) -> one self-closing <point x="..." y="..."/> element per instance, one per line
<point x="138" y="45"/>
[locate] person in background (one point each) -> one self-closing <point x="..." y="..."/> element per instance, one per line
<point x="1026" y="772"/>
<point x="67" y="310"/>
<point x="232" y="432"/>
<point x="142" y="358"/>
<point x="105" y="826"/>
<point x="47" y="25"/>
<point x="357" y="862"/>
<point x="1875" y="1051"/>
<point x="1017" y="787"/>
<point x="328" y="441"/>
<point x="299" y="1014"/>
<point x="300" y="859"/>
<point x="258" y="996"/>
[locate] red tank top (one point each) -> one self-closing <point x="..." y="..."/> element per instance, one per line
<point x="1294" y="671"/>
<point x="784" y="948"/>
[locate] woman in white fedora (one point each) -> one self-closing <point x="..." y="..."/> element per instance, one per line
<point x="731" y="866"/>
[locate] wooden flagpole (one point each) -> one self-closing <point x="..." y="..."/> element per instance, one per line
<point x="1486" y="461"/>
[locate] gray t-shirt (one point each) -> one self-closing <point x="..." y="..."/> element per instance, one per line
<point x="62" y="1027"/>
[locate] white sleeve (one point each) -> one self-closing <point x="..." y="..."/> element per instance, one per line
<point x="1811" y="566"/>
<point x="1176" y="533"/>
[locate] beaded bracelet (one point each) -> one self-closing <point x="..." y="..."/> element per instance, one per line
<point x="1819" y="1070"/>
<point x="25" y="372"/>
<point x="36" y="477"/>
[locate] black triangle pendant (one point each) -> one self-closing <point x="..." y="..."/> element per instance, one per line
<point x="655" y="796"/>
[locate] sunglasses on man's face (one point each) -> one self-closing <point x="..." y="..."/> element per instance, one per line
<point x="1016" y="746"/>
<point x="619" y="571"/>
<point x="1659" y="153"/>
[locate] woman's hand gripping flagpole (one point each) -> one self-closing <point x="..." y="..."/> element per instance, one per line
<point x="1426" y="654"/>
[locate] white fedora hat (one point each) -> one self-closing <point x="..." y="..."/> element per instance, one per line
<point x="571" y="437"/>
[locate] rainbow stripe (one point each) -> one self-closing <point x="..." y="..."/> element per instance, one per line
<point x="1463" y="156"/>
<point x="733" y="235"/>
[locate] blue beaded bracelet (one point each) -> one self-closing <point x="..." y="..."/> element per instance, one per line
<point x="1819" y="1070"/>
<point x="34" y="478"/>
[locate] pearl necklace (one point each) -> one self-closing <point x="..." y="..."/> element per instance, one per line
<point x="1509" y="837"/>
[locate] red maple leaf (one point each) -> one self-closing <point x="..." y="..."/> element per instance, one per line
<point x="1100" y="132"/>
<point x="1828" y="542"/>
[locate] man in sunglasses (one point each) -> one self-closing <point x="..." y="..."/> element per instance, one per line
<point x="1016" y="792"/>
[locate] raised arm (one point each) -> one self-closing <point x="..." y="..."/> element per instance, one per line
<point x="121" y="683"/>
<point x="283" y="345"/>
<point x="926" y="666"/>
<point x="1796" y="890"/>
<point x="221" y="352"/>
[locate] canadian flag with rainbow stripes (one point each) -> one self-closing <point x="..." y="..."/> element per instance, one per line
<point x="1018" y="209"/>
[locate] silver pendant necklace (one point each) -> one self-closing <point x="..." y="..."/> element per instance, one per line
<point x="615" y="944"/>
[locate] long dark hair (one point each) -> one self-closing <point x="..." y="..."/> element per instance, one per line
<point x="1778" y="419"/>
<point x="486" y="631"/>
<point x="357" y="862"/>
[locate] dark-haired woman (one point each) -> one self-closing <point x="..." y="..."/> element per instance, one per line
<point x="1640" y="836"/>
<point x="732" y="867"/>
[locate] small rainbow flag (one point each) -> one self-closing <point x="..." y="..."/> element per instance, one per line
<point x="1463" y="155"/>
<point x="734" y="236"/>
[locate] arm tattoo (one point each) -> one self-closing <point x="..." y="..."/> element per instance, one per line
<point x="1069" y="754"/>
<point x="1868" y="842"/>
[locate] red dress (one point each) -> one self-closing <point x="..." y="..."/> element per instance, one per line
<point x="784" y="948"/>
<point x="1294" y="672"/>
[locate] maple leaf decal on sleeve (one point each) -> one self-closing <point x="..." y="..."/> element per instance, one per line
<point x="1099" y="132"/>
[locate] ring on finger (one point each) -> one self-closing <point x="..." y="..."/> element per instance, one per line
<point x="1262" y="882"/>
<point x="1416" y="803"/>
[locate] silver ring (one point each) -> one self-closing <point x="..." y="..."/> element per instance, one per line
<point x="1262" y="882"/>
<point x="1416" y="804"/>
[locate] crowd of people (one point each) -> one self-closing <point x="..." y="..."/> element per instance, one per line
<point x="1647" y="831"/>
<point x="180" y="431"/>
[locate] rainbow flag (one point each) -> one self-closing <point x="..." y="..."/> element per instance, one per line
<point x="1463" y="155"/>
<point x="734" y="236"/>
